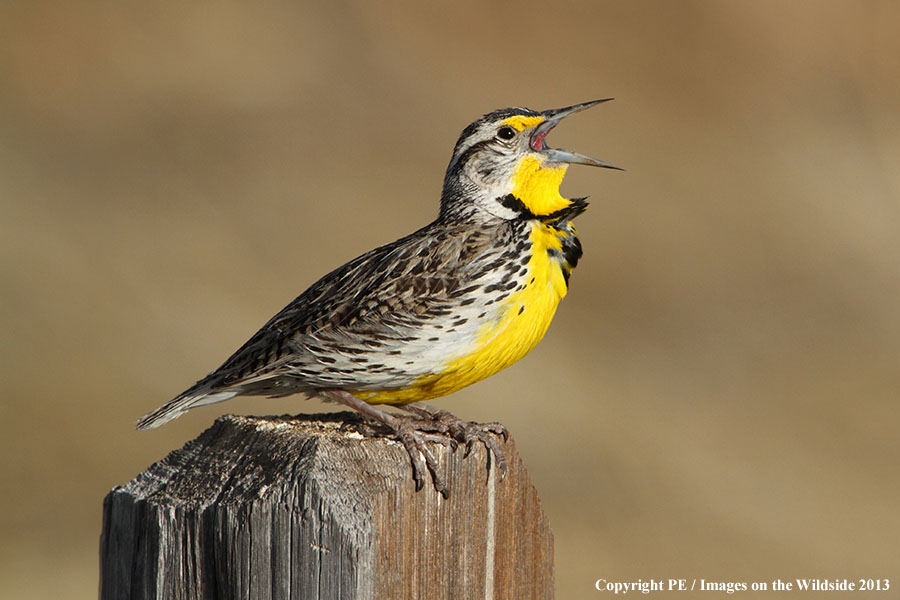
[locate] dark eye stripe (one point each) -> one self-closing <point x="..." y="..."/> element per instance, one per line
<point x="468" y="152"/>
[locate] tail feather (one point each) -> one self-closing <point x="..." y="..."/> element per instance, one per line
<point x="180" y="405"/>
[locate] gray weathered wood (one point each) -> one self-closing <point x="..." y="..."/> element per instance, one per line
<point x="309" y="507"/>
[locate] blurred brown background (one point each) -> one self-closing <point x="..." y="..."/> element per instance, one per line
<point x="718" y="395"/>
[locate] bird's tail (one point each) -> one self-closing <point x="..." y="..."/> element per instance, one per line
<point x="180" y="405"/>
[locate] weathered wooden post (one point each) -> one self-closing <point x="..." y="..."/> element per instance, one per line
<point x="308" y="508"/>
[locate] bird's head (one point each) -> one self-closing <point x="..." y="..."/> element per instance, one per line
<point x="502" y="166"/>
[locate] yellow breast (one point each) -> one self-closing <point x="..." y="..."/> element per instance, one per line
<point x="517" y="326"/>
<point x="524" y="316"/>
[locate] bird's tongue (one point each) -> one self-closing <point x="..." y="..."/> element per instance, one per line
<point x="537" y="140"/>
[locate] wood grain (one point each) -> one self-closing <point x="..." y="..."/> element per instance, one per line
<point x="316" y="506"/>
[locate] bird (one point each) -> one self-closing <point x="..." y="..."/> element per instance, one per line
<point x="442" y="308"/>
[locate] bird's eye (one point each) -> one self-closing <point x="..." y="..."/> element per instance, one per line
<point x="506" y="133"/>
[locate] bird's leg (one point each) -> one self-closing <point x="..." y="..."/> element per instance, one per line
<point x="414" y="440"/>
<point x="464" y="432"/>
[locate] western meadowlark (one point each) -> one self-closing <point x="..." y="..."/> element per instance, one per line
<point x="446" y="306"/>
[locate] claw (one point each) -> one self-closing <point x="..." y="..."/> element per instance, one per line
<point x="416" y="444"/>
<point x="469" y="445"/>
<point x="464" y="432"/>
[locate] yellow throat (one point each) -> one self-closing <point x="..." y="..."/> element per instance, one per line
<point x="537" y="186"/>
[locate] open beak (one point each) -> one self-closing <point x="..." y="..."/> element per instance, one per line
<point x="559" y="155"/>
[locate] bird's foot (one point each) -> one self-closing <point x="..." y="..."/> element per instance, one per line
<point x="408" y="431"/>
<point x="416" y="443"/>
<point x="461" y="432"/>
